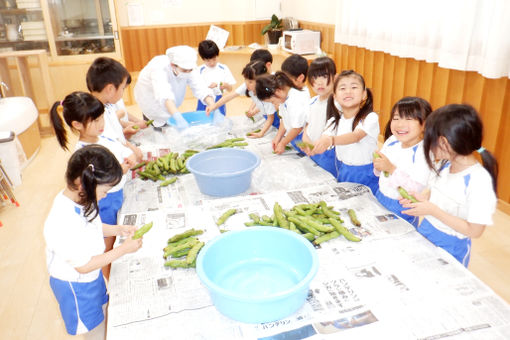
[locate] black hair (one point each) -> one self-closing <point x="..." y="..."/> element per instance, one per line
<point x="295" y="65"/>
<point x="462" y="127"/>
<point x="207" y="49"/>
<point x="321" y="67"/>
<point x="365" y="108"/>
<point x="269" y="83"/>
<point x="254" y="69"/>
<point x="94" y="165"/>
<point x="262" y="54"/>
<point x="409" y="107"/>
<point x="104" y="71"/>
<point x="78" y="106"/>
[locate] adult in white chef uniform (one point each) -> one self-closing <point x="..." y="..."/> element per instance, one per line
<point x="161" y="85"/>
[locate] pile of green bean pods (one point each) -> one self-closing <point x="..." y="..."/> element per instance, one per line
<point x="316" y="222"/>
<point x="170" y="164"/>
<point x="182" y="249"/>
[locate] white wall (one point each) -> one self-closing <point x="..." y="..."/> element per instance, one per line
<point x="166" y="12"/>
<point x="318" y="11"/>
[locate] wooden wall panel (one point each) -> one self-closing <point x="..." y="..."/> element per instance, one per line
<point x="141" y="44"/>
<point x="392" y="77"/>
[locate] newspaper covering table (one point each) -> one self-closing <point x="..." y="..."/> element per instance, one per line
<point x="394" y="284"/>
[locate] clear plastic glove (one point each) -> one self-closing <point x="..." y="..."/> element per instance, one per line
<point x="181" y="123"/>
<point x="217" y="117"/>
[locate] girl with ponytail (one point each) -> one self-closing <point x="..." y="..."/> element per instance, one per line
<point x="352" y="129"/>
<point x="74" y="240"/>
<point x="461" y="198"/>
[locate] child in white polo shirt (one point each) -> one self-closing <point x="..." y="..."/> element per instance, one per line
<point x="74" y="233"/>
<point x="217" y="76"/>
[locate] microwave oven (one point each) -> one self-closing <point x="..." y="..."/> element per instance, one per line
<point x="301" y="41"/>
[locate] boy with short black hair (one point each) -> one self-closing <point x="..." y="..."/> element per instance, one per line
<point x="296" y="67"/>
<point x="217" y="76"/>
<point x="106" y="80"/>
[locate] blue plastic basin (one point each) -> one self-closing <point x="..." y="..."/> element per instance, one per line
<point x="260" y="274"/>
<point x="193" y="118"/>
<point x="223" y="172"/>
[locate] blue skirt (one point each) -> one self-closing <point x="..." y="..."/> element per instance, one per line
<point x="110" y="206"/>
<point x="326" y="160"/>
<point x="395" y="207"/>
<point x="80" y="302"/>
<point x="460" y="248"/>
<point x="201" y="106"/>
<point x="362" y="174"/>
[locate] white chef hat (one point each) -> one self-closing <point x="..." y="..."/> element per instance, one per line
<point x="183" y="56"/>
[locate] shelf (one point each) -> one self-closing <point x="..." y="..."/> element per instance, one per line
<point x="85" y="37"/>
<point x="17" y="11"/>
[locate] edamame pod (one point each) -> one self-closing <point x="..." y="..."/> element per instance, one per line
<point x="344" y="231"/>
<point x="139" y="165"/>
<point x="168" y="182"/>
<point x="354" y="218"/>
<point x="187" y="233"/>
<point x="140" y="232"/>
<point x="149" y="122"/>
<point x="279" y="216"/>
<point x="326" y="237"/>
<point x="223" y="218"/>
<point x="177" y="264"/>
<point x="192" y="255"/>
<point x="403" y="192"/>
<point x="376" y="155"/>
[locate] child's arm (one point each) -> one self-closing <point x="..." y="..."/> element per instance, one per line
<point x="223" y="100"/>
<point x="136" y="151"/>
<point x="425" y="207"/>
<point x="265" y="127"/>
<point x="327" y="141"/>
<point x="287" y="139"/>
<point x="307" y="141"/>
<point x="128" y="246"/>
<point x="279" y="135"/>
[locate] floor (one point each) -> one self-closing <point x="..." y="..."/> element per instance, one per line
<point x="28" y="309"/>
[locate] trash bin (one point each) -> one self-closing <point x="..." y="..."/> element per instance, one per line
<point x="9" y="157"/>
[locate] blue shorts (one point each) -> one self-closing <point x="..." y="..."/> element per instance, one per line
<point x="326" y="160"/>
<point x="276" y="120"/>
<point x="80" y="302"/>
<point x="362" y="174"/>
<point x="201" y="106"/>
<point x="110" y="206"/>
<point x="395" y="207"/>
<point x="460" y="248"/>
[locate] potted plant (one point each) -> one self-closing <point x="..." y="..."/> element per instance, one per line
<point x="273" y="30"/>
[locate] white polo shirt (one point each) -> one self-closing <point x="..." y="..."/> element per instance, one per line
<point x="360" y="153"/>
<point x="316" y="119"/>
<point x="217" y="74"/>
<point x="295" y="109"/>
<point x="467" y="194"/>
<point x="71" y="241"/>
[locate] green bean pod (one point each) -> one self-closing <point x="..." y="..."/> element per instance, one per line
<point x="326" y="237"/>
<point x="223" y="218"/>
<point x="139" y="233"/>
<point x="187" y="233"/>
<point x="344" y="231"/>
<point x="354" y="218"/>
<point x="177" y="264"/>
<point x="316" y="225"/>
<point x="255" y="218"/>
<point x="280" y="217"/>
<point x="139" y="165"/>
<point x="192" y="255"/>
<point x="305" y="228"/>
<point x="168" y="182"/>
<point x="403" y="192"/>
